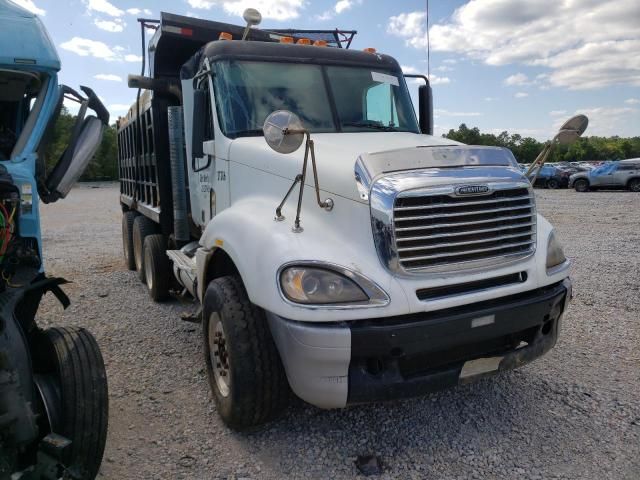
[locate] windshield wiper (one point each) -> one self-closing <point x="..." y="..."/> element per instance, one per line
<point x="372" y="125"/>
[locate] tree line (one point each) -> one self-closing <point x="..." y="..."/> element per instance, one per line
<point x="104" y="165"/>
<point x="526" y="149"/>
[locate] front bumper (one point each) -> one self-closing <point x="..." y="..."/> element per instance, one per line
<point x="334" y="365"/>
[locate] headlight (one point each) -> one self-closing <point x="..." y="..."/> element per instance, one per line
<point x="310" y="285"/>
<point x="555" y="255"/>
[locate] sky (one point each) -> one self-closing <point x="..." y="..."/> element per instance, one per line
<point x="523" y="66"/>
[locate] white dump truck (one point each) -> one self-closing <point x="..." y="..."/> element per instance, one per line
<point x="337" y="248"/>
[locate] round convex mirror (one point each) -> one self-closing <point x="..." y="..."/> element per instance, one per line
<point x="275" y="126"/>
<point x="577" y="123"/>
<point x="252" y="16"/>
<point x="567" y="137"/>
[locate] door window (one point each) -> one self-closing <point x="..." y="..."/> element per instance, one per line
<point x="380" y="105"/>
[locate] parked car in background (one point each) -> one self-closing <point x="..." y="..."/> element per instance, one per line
<point x="622" y="174"/>
<point x="553" y="177"/>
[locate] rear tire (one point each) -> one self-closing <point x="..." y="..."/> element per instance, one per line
<point x="142" y="227"/>
<point x="634" y="185"/>
<point x="127" y="239"/>
<point x="76" y="366"/>
<point x="245" y="372"/>
<point x="157" y="267"/>
<point x="581" y="185"/>
<point x="553" y="184"/>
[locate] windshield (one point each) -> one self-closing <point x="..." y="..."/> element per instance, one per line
<point x="354" y="99"/>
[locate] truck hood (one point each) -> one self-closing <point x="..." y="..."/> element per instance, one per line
<point x="336" y="155"/>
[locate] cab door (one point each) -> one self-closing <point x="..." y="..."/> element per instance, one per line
<point x="210" y="170"/>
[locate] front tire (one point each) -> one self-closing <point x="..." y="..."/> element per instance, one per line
<point x="581" y="185"/>
<point x="634" y="185"/>
<point x="142" y="227"/>
<point x="75" y="372"/>
<point x="553" y="184"/>
<point x="157" y="267"/>
<point x="245" y="372"/>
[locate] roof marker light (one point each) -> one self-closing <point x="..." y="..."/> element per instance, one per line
<point x="369" y="50"/>
<point x="286" y="40"/>
<point x="304" y="41"/>
<point x="225" y="36"/>
<point x="320" y="43"/>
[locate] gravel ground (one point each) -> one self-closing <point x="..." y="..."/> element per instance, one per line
<point x="572" y="414"/>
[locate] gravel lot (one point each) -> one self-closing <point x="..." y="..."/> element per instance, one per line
<point x="572" y="414"/>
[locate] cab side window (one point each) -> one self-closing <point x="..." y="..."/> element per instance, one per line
<point x="208" y="126"/>
<point x="380" y="103"/>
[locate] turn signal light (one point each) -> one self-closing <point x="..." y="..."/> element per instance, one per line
<point x="225" y="36"/>
<point x="304" y="41"/>
<point x="286" y="40"/>
<point x="320" y="43"/>
<point x="369" y="50"/>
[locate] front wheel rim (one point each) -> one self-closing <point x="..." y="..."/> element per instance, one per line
<point x="219" y="355"/>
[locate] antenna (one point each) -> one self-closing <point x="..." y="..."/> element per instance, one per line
<point x="428" y="46"/>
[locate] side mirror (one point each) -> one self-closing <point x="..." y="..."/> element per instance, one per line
<point x="197" y="124"/>
<point x="283" y="131"/>
<point x="425" y="104"/>
<point x="85" y="140"/>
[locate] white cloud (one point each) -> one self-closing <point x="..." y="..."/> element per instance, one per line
<point x="275" y="9"/>
<point x="108" y="76"/>
<point x="586" y="44"/>
<point x="29" y="5"/>
<point x="433" y="78"/>
<point x="443" y="68"/>
<point x="411" y="26"/>
<point x="521" y="95"/>
<point x="132" y="58"/>
<point x="110" y="26"/>
<point x="489" y="99"/>
<point x="437" y="80"/>
<point x="138" y="11"/>
<point x="439" y="112"/>
<point x="632" y="101"/>
<point x="94" y="48"/>
<point x="201" y="4"/>
<point x="451" y="61"/>
<point x="606" y="121"/>
<point x="557" y="113"/>
<point x="517" y="79"/>
<point x="343" y="5"/>
<point x="328" y="15"/>
<point x="104" y="6"/>
<point x="89" y="48"/>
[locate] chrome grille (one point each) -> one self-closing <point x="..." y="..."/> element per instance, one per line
<point x="438" y="229"/>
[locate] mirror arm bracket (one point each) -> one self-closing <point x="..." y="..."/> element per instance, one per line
<point x="301" y="178"/>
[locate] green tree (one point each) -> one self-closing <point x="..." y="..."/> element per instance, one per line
<point x="526" y="149"/>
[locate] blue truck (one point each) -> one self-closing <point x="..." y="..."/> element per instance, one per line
<point x="53" y="387"/>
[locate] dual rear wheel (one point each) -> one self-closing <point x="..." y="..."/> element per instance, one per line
<point x="144" y="250"/>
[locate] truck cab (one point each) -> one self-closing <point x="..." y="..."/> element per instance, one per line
<point x="375" y="262"/>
